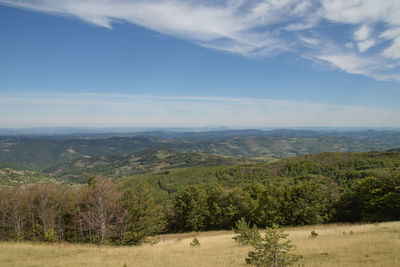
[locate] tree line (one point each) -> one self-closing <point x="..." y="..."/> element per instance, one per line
<point x="103" y="212"/>
<point x="287" y="203"/>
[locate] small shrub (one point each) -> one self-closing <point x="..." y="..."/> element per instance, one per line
<point x="195" y="242"/>
<point x="351" y="233"/>
<point x="313" y="234"/>
<point x="152" y="240"/>
<point x="50" y="236"/>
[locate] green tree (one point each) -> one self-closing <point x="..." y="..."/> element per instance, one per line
<point x="373" y="199"/>
<point x="215" y="202"/>
<point x="246" y="235"/>
<point x="304" y="203"/>
<point x="191" y="209"/>
<point x="142" y="218"/>
<point x="253" y="194"/>
<point x="91" y="179"/>
<point x="271" y="205"/>
<point x="269" y="251"/>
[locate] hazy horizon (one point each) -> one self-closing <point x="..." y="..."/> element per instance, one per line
<point x="43" y="131"/>
<point x="199" y="63"/>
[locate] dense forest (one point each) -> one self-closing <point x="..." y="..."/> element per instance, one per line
<point x="130" y="210"/>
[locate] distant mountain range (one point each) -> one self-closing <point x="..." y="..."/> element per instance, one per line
<point x="129" y="131"/>
<point x="40" y="152"/>
<point x="71" y="158"/>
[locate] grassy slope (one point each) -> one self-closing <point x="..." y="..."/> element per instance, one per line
<point x="370" y="245"/>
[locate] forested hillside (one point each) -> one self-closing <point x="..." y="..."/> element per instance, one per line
<point x="58" y="188"/>
<point x="310" y="189"/>
<point x="339" y="167"/>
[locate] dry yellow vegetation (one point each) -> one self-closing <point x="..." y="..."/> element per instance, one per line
<point x="336" y="245"/>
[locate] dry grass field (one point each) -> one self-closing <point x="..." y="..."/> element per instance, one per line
<point x="336" y="245"/>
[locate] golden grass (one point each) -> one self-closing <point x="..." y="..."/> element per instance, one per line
<point x="369" y="245"/>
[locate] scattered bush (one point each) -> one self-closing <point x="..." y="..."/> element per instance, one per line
<point x="313" y="234"/>
<point x="50" y="236"/>
<point x="195" y="242"/>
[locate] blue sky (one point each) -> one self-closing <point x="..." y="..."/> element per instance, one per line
<point x="195" y="63"/>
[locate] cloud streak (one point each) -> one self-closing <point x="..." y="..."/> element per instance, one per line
<point x="260" y="28"/>
<point x="126" y="110"/>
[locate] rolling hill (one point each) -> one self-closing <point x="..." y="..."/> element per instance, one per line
<point x="42" y="152"/>
<point x="144" y="161"/>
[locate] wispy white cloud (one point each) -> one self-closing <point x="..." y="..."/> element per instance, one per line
<point x="365" y="45"/>
<point x="393" y="51"/>
<point x="310" y="41"/>
<point x="258" y="28"/>
<point x="108" y="110"/>
<point x="224" y="25"/>
<point x="362" y="36"/>
<point x="352" y="63"/>
<point x="362" y="14"/>
<point x="362" y="33"/>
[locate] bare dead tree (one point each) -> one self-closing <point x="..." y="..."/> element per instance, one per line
<point x="65" y="203"/>
<point x="45" y="196"/>
<point x="31" y="210"/>
<point x="18" y="214"/>
<point x="5" y="211"/>
<point x="13" y="209"/>
<point x="101" y="208"/>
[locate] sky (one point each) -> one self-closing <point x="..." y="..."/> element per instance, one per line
<point x="199" y="63"/>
